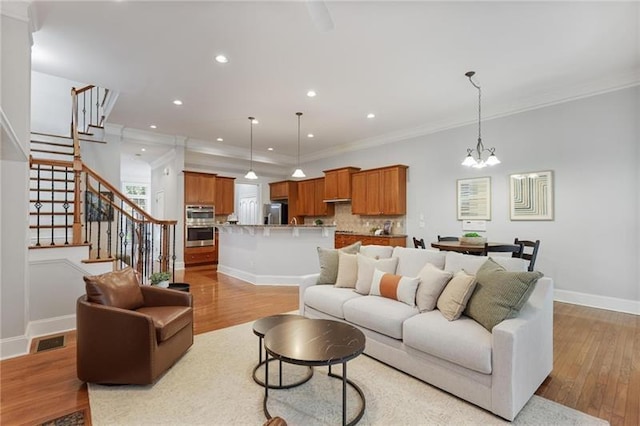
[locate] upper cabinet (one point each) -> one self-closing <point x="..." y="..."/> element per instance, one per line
<point x="225" y="191"/>
<point x="311" y="198"/>
<point x="380" y="191"/>
<point x="282" y="190"/>
<point x="199" y="188"/>
<point x="337" y="184"/>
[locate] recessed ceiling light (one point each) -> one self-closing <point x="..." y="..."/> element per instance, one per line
<point x="311" y="93"/>
<point x="270" y="149"/>
<point x="371" y="115"/>
<point x="255" y="121"/>
<point x="153" y="126"/>
<point x="177" y="102"/>
<point x="310" y="135"/>
<point x="222" y="59"/>
<point x="219" y="139"/>
<point x="143" y="149"/>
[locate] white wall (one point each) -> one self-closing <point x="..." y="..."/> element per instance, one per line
<point x="51" y="103"/>
<point x="14" y="177"/>
<point x="592" y="147"/>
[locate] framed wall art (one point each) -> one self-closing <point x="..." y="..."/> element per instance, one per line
<point x="531" y="195"/>
<point x="474" y="198"/>
<point x="97" y="209"/>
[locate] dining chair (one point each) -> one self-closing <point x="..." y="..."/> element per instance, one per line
<point x="448" y="238"/>
<point x="419" y="243"/>
<point x="514" y="249"/>
<point x="531" y="257"/>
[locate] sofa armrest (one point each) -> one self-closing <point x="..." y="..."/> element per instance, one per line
<point x="305" y="282"/>
<point x="156" y="296"/>
<point x="523" y="352"/>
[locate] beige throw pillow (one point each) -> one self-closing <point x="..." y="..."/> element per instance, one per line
<point x="347" y="270"/>
<point x="455" y="295"/>
<point x="366" y="266"/>
<point x="432" y="281"/>
<point x="499" y="294"/>
<point x="328" y="259"/>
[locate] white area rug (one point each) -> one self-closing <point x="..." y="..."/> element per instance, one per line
<point x="212" y="385"/>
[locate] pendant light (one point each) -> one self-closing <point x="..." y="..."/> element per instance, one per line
<point x="298" y="173"/>
<point x="251" y="174"/>
<point x="478" y="162"/>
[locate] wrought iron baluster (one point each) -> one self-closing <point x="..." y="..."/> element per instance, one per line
<point x="53" y="203"/>
<point x="98" y="218"/>
<point x="66" y="206"/>
<point x="84" y="110"/>
<point x="109" y="223"/>
<point x="38" y="206"/>
<point x="87" y="219"/>
<point x="119" y="251"/>
<point x="152" y="226"/>
<point x="97" y="105"/>
<point x="173" y="256"/>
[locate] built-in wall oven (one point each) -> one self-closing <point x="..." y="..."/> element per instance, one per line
<point x="200" y="225"/>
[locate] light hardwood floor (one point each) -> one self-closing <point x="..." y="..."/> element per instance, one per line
<point x="596" y="365"/>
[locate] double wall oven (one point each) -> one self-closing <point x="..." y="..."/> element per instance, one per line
<point x="200" y="225"/>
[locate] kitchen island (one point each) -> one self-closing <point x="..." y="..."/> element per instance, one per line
<point x="272" y="254"/>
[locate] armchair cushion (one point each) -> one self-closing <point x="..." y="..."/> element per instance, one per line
<point x="118" y="289"/>
<point x="168" y="320"/>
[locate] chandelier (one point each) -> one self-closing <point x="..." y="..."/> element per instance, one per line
<point x="474" y="156"/>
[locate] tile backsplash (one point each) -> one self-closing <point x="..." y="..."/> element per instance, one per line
<point x="345" y="221"/>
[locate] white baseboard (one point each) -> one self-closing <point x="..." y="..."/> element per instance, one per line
<point x="595" y="301"/>
<point x="285" y="280"/>
<point x="19" y="345"/>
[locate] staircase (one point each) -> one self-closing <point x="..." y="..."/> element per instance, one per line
<point x="72" y="205"/>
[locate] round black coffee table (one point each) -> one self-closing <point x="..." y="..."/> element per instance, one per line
<point x="316" y="342"/>
<point x="260" y="328"/>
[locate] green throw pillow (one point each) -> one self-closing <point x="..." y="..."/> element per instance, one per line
<point x="499" y="294"/>
<point x="329" y="262"/>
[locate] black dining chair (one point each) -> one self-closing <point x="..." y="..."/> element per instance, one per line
<point x="530" y="256"/>
<point x="419" y="243"/>
<point x="448" y="238"/>
<point x="514" y="249"/>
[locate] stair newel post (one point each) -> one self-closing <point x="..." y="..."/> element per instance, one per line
<point x="165" y="235"/>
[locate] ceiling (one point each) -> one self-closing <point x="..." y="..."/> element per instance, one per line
<point x="403" y="61"/>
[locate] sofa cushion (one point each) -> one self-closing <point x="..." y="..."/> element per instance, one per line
<point x="463" y="342"/>
<point x="168" y="320"/>
<point x="432" y="282"/>
<point x="499" y="294"/>
<point x="328" y="259"/>
<point x="119" y="289"/>
<point x="347" y="270"/>
<point x="366" y="266"/>
<point x="379" y="314"/>
<point x="470" y="264"/>
<point x="412" y="260"/>
<point x="377" y="252"/>
<point x="328" y="299"/>
<point x="455" y="295"/>
<point x="395" y="287"/>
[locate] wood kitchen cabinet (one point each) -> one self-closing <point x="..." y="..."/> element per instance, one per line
<point x="311" y="198"/>
<point x="343" y="240"/>
<point x="337" y="183"/>
<point x="286" y="190"/>
<point x="199" y="188"/>
<point x="225" y="190"/>
<point x="380" y="191"/>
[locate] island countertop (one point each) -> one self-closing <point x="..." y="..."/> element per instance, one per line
<point x="365" y="234"/>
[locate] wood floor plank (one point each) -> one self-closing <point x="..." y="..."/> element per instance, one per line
<point x="596" y="354"/>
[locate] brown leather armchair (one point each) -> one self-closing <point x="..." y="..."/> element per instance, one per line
<point x="127" y="333"/>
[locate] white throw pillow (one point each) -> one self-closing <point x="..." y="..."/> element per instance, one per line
<point x="432" y="281"/>
<point x="377" y="252"/>
<point x="396" y="287"/>
<point x="366" y="266"/>
<point x="347" y="270"/>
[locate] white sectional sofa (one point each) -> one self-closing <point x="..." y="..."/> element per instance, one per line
<point x="498" y="370"/>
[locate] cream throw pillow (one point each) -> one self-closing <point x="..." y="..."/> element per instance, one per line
<point x="366" y="266"/>
<point x="396" y="287"/>
<point x="432" y="281"/>
<point x="328" y="259"/>
<point x="455" y="295"/>
<point x="347" y="270"/>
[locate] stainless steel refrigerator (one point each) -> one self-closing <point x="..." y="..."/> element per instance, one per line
<point x="275" y="214"/>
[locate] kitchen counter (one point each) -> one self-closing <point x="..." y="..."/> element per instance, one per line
<point x="343" y="239"/>
<point x="272" y="254"/>
<point x="368" y="234"/>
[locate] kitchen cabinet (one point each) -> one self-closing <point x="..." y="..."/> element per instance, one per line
<point x="225" y="189"/>
<point x="286" y="190"/>
<point x="311" y="198"/>
<point x="345" y="239"/>
<point x="380" y="191"/>
<point x="198" y="255"/>
<point x="199" y="188"/>
<point x="337" y="183"/>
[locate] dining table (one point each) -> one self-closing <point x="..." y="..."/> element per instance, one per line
<point x="458" y="246"/>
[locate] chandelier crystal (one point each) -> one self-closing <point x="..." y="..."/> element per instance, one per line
<point x="474" y="156"/>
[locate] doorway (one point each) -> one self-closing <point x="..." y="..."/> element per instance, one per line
<point x="248" y="204"/>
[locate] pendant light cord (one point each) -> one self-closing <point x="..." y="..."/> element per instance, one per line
<point x="251" y="141"/>
<point x="298" y="114"/>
